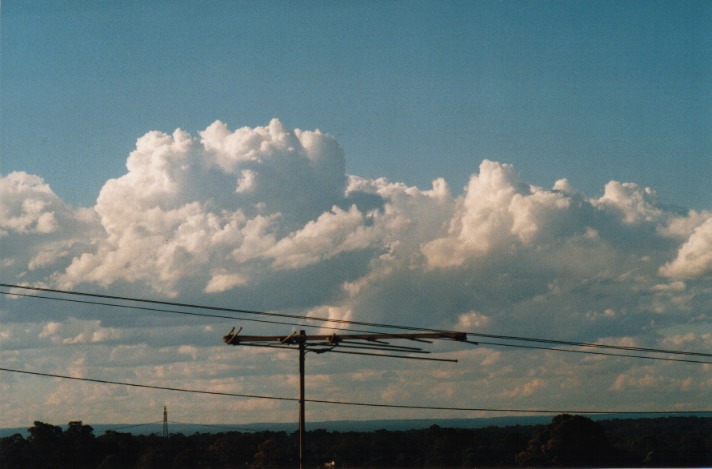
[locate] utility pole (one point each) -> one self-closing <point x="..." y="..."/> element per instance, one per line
<point x="301" y="340"/>
<point x="355" y="344"/>
<point x="165" y="422"/>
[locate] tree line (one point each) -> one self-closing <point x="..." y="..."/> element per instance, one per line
<point x="568" y="441"/>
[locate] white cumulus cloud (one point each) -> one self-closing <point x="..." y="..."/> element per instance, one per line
<point x="694" y="258"/>
<point x="266" y="218"/>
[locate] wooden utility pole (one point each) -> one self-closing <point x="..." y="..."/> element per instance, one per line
<point x="358" y="344"/>
<point x="301" y="340"/>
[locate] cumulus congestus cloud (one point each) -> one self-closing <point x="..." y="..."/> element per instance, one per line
<point x="246" y="208"/>
<point x="39" y="233"/>
<point x="213" y="209"/>
<point x="267" y="218"/>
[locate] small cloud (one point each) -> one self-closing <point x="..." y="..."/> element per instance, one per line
<point x="694" y="258"/>
<point x="632" y="203"/>
<point x="526" y="389"/>
<point x="471" y="321"/>
<point x="224" y="281"/>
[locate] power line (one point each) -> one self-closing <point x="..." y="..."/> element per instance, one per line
<point x="132" y="426"/>
<point x="590" y="352"/>
<point x="170" y="311"/>
<point x="496" y="344"/>
<point x="520" y="346"/>
<point x="592" y="345"/>
<point x="208" y="425"/>
<point x="360" y="404"/>
<point x="148" y="386"/>
<point x="169" y="303"/>
<point x="329" y="346"/>
<point x="160" y="422"/>
<point x="348" y="322"/>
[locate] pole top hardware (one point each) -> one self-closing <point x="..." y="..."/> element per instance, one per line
<point x="356" y="344"/>
<point x="377" y="345"/>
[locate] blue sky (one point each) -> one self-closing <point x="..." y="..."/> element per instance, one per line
<point x="537" y="169"/>
<point x="582" y="90"/>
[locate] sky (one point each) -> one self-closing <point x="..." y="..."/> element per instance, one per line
<point x="533" y="169"/>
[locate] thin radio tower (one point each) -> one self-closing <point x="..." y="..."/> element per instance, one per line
<point x="165" y="422"/>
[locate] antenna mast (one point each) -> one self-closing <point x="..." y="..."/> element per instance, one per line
<point x="357" y="344"/>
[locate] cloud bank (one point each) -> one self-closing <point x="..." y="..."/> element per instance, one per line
<point x="267" y="218"/>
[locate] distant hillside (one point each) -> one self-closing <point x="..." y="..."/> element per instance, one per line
<point x="337" y="425"/>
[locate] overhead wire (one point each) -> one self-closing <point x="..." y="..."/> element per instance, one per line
<point x="362" y="404"/>
<point x="160" y="422"/>
<point x="209" y="425"/>
<point x="123" y="427"/>
<point x="591" y="345"/>
<point x="172" y="311"/>
<point x="171" y="303"/>
<point x="591" y="352"/>
<point x="251" y="319"/>
<point x="251" y="313"/>
<point x="147" y="386"/>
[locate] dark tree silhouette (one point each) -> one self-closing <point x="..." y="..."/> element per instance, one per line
<point x="570" y="440"/>
<point x="80" y="446"/>
<point x="44" y="447"/>
<point x="12" y="451"/>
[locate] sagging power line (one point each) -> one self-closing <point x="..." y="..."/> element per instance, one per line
<point x="323" y="324"/>
<point x="334" y="328"/>
<point x="356" y="403"/>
